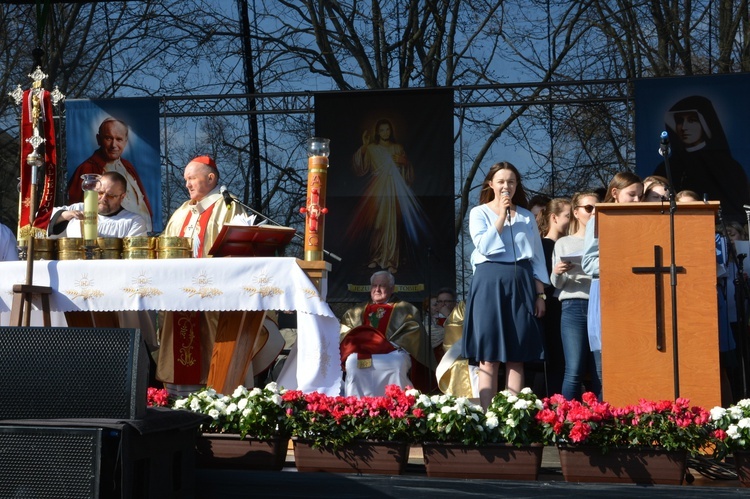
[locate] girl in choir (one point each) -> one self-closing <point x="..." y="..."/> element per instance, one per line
<point x="625" y="187"/>
<point x="553" y="223"/>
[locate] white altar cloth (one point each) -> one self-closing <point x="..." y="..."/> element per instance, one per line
<point x="200" y="284"/>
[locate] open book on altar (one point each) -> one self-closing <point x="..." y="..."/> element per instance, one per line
<point x="251" y="240"/>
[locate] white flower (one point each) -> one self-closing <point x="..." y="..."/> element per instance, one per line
<point x="744" y="403"/>
<point x="424" y="400"/>
<point x="242" y="404"/>
<point x="220" y="405"/>
<point x="462" y="401"/>
<point x="413" y="392"/>
<point x="180" y="404"/>
<point x="510" y="422"/>
<point x="539" y="404"/>
<point x="512" y="399"/>
<point x="255" y="392"/>
<point x="431" y="416"/>
<point x="195" y="405"/>
<point x="246" y="413"/>
<point x="231" y="408"/>
<point x="522" y="405"/>
<point x="239" y="392"/>
<point x="717" y="413"/>
<point x="744" y="423"/>
<point x="273" y="386"/>
<point x="732" y="432"/>
<point x="492" y="421"/>
<point x="276" y="399"/>
<point x="446" y="409"/>
<point x="474" y="416"/>
<point x="214" y="413"/>
<point x="736" y="413"/>
<point x="526" y="390"/>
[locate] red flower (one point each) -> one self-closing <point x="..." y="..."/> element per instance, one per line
<point x="546" y="416"/>
<point x="589" y="398"/>
<point x="157" y="397"/>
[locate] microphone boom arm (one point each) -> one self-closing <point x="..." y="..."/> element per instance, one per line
<point x="274" y="222"/>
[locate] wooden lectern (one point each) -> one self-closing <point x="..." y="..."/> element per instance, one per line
<point x="636" y="303"/>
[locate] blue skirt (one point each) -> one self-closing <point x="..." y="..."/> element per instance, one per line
<point x="499" y="323"/>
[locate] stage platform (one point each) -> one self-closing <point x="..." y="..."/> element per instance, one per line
<point x="414" y="484"/>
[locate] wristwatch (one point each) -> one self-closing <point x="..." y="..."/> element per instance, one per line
<point x="542" y="296"/>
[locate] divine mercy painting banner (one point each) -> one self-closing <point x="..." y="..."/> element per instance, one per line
<point x="390" y="190"/>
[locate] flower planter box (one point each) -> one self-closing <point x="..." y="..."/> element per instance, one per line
<point x="640" y="466"/>
<point x="501" y="461"/>
<point x="742" y="465"/>
<point x="382" y="458"/>
<point x="228" y="451"/>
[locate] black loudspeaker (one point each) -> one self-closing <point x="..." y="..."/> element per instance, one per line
<point x="60" y="373"/>
<point x="50" y="462"/>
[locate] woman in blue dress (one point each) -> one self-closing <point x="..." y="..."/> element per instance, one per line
<point x="506" y="297"/>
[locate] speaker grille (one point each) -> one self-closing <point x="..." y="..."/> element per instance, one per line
<point x="51" y="373"/>
<point x="49" y="462"/>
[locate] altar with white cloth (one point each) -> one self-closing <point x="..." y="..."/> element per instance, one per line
<point x="200" y="284"/>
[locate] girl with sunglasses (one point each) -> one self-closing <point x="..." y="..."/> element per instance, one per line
<point x="572" y="285"/>
<point x="625" y="187"/>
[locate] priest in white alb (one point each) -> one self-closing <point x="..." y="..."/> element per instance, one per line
<point x="113" y="220"/>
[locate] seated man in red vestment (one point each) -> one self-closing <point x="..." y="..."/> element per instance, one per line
<point x="362" y="347"/>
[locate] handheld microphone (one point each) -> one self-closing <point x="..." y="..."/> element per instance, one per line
<point x="664" y="144"/>
<point x="507" y="210"/>
<point x="227" y="197"/>
<point x="746" y="206"/>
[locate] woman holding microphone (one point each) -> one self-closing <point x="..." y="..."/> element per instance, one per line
<point x="506" y="297"/>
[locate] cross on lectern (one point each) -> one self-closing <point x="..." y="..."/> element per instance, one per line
<point x="658" y="269"/>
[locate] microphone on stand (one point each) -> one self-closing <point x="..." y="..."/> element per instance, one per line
<point x="228" y="199"/>
<point x="746" y="206"/>
<point x="664" y="144"/>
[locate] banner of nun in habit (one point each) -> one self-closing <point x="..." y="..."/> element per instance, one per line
<point x="706" y="119"/>
<point x="117" y="135"/>
<point x="390" y="191"/>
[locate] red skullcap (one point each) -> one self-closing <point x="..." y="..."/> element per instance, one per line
<point x="206" y="160"/>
